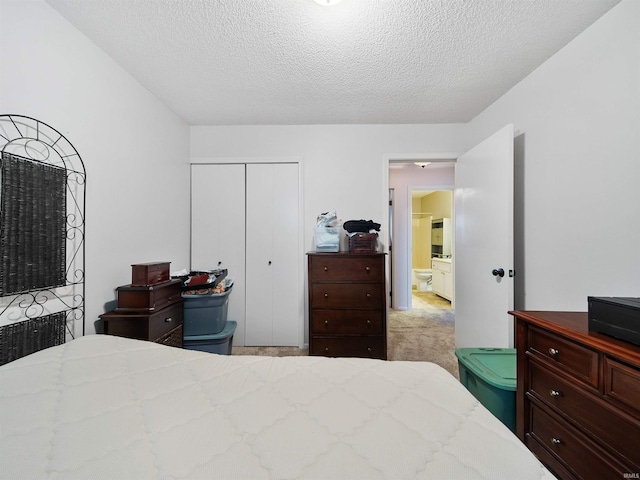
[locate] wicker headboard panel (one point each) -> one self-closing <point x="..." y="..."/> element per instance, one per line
<point x="42" y="250"/>
<point x="22" y="338"/>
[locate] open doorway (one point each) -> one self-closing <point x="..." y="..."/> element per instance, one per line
<point x="431" y="249"/>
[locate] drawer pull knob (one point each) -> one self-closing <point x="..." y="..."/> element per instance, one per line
<point x="368" y="269"/>
<point x="369" y="349"/>
<point x="326" y="322"/>
<point x="326" y="295"/>
<point x="554" y="393"/>
<point x="326" y="349"/>
<point x="326" y="269"/>
<point x="368" y="295"/>
<point x="168" y="319"/>
<point x="554" y="351"/>
<point x="556" y="441"/>
<point x="368" y="322"/>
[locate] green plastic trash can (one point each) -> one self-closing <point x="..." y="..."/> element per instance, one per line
<point x="490" y="375"/>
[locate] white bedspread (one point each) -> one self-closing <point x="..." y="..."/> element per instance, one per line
<point x="104" y="407"/>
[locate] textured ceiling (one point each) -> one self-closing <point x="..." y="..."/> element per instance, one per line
<point x="238" y="62"/>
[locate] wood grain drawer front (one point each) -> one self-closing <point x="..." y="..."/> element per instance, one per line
<point x="579" y="452"/>
<point x="362" y="322"/>
<point x="622" y="385"/>
<point x="346" y="268"/>
<point x="573" y="358"/>
<point x="164" y="321"/>
<point x="174" y="338"/>
<point x="590" y="412"/>
<point x="143" y="326"/>
<point x="148" y="299"/>
<point x="353" y="295"/>
<point x="363" y="347"/>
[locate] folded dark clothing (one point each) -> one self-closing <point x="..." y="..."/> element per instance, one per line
<point x="366" y="226"/>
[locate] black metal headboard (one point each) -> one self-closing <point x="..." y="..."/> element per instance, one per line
<point x="42" y="240"/>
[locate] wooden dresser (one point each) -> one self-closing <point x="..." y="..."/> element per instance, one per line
<point x="347" y="305"/>
<point x="152" y="312"/>
<point x="578" y="396"/>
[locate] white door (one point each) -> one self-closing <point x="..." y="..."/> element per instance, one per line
<point x="218" y="231"/>
<point x="484" y="243"/>
<point x="272" y="229"/>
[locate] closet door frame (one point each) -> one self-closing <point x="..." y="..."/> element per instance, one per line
<point x="300" y="294"/>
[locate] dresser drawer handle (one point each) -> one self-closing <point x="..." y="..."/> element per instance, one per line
<point x="369" y="349"/>
<point x="326" y="349"/>
<point x="368" y="269"/>
<point x="326" y="322"/>
<point x="326" y="295"/>
<point x="368" y="295"/>
<point x="168" y="319"/>
<point x="554" y="393"/>
<point x="554" y="351"/>
<point x="326" y="269"/>
<point x="368" y="322"/>
<point x="556" y="441"/>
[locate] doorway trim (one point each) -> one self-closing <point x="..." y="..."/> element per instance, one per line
<point x="387" y="159"/>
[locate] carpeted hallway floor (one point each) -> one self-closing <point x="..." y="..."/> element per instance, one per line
<point x="424" y="333"/>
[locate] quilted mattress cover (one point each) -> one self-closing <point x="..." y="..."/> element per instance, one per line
<point x="104" y="407"/>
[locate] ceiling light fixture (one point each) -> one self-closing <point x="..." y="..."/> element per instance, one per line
<point x="422" y="164"/>
<point x="327" y="3"/>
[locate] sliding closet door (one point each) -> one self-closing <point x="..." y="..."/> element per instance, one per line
<point x="272" y="229"/>
<point x="218" y="230"/>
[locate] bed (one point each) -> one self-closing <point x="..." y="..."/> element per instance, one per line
<point x="108" y="407"/>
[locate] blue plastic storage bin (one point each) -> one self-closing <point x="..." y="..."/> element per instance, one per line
<point x="220" y="343"/>
<point x="205" y="314"/>
<point x="490" y="375"/>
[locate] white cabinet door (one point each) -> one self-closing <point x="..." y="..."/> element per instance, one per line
<point x="272" y="268"/>
<point x="218" y="230"/>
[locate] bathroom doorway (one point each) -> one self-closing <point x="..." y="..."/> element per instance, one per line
<point x="431" y="249"/>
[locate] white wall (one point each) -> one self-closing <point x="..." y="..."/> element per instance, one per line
<point x="403" y="181"/>
<point x="577" y="119"/>
<point x="344" y="167"/>
<point x="135" y="150"/>
<point x="342" y="164"/>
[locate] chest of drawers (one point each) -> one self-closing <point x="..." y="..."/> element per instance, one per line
<point x="151" y="312"/>
<point x="578" y="396"/>
<point x="347" y="305"/>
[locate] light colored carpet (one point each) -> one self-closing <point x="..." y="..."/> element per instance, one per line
<point x="422" y="334"/>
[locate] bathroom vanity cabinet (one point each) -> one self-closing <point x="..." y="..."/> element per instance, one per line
<point x="442" y="277"/>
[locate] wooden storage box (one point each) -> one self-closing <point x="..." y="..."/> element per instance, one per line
<point x="363" y="243"/>
<point x="164" y="326"/>
<point x="133" y="298"/>
<point x="143" y="274"/>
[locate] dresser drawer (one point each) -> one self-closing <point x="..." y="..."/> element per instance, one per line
<point x="352" y="295"/>
<point x="174" y="338"/>
<point x="573" y="358"/>
<point x="363" y="347"/>
<point x="573" y="448"/>
<point x="589" y="412"/>
<point x="622" y="385"/>
<point x="143" y="326"/>
<point x="327" y="268"/>
<point x="148" y="299"/>
<point x="365" y="322"/>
